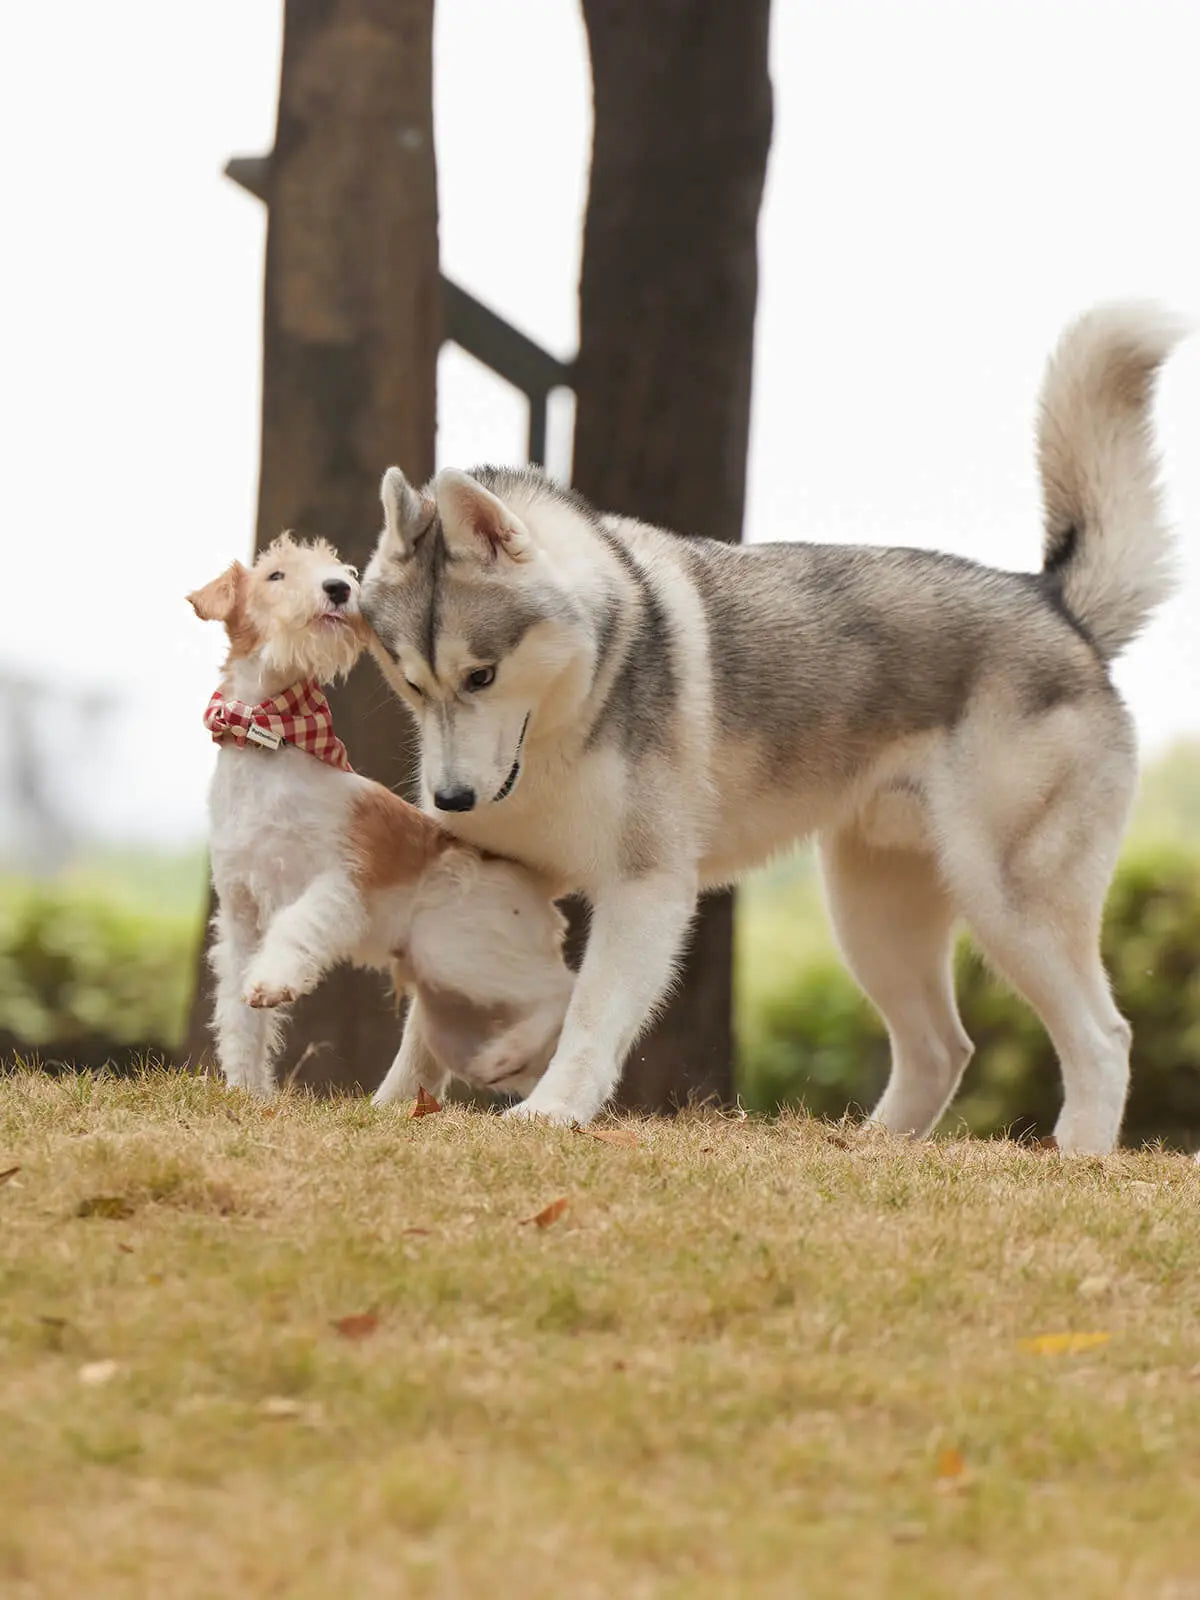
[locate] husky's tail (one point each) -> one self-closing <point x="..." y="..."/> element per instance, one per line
<point x="1107" y="546"/>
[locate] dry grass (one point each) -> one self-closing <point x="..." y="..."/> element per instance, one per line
<point x="749" y="1358"/>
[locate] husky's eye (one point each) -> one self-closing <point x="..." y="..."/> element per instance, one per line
<point x="481" y="678"/>
<point x="274" y="577"/>
<point x="415" y="687"/>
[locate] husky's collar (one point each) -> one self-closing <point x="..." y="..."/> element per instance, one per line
<point x="299" y="716"/>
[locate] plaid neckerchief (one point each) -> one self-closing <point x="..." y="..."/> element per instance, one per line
<point x="299" y="716"/>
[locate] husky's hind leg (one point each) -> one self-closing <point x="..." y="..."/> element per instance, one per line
<point x="1053" y="960"/>
<point x="1034" y="898"/>
<point x="894" y="923"/>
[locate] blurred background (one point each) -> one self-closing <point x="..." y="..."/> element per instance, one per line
<point x="504" y="228"/>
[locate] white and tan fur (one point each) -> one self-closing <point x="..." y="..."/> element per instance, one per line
<point x="313" y="865"/>
<point x="949" y="733"/>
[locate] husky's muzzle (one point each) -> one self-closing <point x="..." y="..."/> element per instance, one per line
<point x="510" y="783"/>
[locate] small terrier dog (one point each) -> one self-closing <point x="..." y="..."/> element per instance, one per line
<point x="314" y="865"/>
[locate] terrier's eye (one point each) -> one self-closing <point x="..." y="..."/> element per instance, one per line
<point x="481" y="678"/>
<point x="274" y="577"/>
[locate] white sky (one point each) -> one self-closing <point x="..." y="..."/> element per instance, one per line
<point x="950" y="182"/>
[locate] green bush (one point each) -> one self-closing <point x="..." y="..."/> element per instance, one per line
<point x="78" y="964"/>
<point x="807" y="1036"/>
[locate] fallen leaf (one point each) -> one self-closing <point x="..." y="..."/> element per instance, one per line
<point x="951" y="1464"/>
<point x="1058" y="1344"/>
<point x="95" y="1373"/>
<point x="707" y="1149"/>
<point x="113" y="1206"/>
<point x="58" y="1332"/>
<point x="9" y="1172"/>
<point x="359" y="1326"/>
<point x="547" y="1214"/>
<point x="424" y="1105"/>
<point x="416" y="1230"/>
<point x="125" y="1249"/>
<point x="623" y="1138"/>
<point x="837" y="1140"/>
<point x="1049" y="1142"/>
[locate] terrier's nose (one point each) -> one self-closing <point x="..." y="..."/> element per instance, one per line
<point x="337" y="589"/>
<point x="456" y="799"/>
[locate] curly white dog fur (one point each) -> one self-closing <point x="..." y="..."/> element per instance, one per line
<point x="314" y="865"/>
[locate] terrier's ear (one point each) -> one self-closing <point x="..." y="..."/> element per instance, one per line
<point x="406" y="516"/>
<point x="217" y="601"/>
<point x="476" y="522"/>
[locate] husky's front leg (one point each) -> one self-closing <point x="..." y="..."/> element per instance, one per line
<point x="637" y="930"/>
<point x="323" y="926"/>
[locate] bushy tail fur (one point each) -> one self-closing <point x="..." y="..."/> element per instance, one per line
<point x="1106" y="544"/>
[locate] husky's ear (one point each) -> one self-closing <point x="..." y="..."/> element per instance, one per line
<point x="217" y="601"/>
<point x="406" y="516"/>
<point x="476" y="523"/>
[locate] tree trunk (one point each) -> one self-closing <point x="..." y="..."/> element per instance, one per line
<point x="350" y="341"/>
<point x="667" y="295"/>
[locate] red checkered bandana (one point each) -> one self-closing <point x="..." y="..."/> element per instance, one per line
<point x="299" y="716"/>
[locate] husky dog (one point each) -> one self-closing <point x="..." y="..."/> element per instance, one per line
<point x="641" y="716"/>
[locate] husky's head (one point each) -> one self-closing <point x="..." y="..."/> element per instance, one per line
<point x="477" y="631"/>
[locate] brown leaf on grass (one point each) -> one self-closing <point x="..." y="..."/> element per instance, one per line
<point x="9" y="1172"/>
<point x="837" y="1140"/>
<point x="1049" y="1142"/>
<point x="547" y="1214"/>
<point x="113" y="1206"/>
<point x="951" y="1464"/>
<point x="623" y="1138"/>
<point x="424" y="1105"/>
<point x="361" y="1325"/>
<point x="416" y="1230"/>
<point x="125" y="1249"/>
<point x="1059" y="1344"/>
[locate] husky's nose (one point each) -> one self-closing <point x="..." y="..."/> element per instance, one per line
<point x="456" y="799"/>
<point x="337" y="589"/>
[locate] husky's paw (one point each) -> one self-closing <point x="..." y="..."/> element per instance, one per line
<point x="266" y="996"/>
<point x="552" y="1111"/>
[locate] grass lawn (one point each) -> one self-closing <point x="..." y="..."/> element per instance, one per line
<point x="747" y="1358"/>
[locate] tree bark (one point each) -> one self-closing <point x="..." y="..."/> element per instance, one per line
<point x="667" y="299"/>
<point x="350" y="341"/>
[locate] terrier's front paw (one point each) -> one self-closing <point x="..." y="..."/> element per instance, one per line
<point x="265" y="996"/>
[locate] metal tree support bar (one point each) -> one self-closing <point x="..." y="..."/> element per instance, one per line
<point x="468" y="323"/>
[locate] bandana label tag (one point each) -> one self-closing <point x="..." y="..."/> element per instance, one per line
<point x="263" y="736"/>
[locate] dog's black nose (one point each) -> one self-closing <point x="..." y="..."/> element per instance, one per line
<point x="337" y="589"/>
<point x="457" y="799"/>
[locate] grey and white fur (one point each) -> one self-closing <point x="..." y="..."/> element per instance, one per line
<point x="641" y="716"/>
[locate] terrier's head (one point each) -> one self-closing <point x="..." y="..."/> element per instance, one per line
<point x="294" y="613"/>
